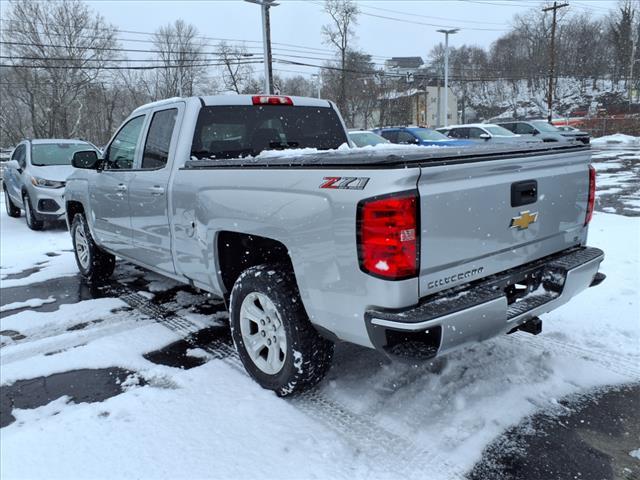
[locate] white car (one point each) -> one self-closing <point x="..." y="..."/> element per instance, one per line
<point x="485" y="132"/>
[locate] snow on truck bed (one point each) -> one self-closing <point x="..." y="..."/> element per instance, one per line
<point x="368" y="419"/>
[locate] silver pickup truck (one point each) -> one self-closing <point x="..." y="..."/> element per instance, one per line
<point x="260" y="200"/>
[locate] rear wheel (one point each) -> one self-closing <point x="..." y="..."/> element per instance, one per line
<point x="276" y="342"/>
<point x="94" y="263"/>
<point x="12" y="210"/>
<point x="33" y="222"/>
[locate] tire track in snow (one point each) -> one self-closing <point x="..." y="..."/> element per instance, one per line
<point x="620" y="364"/>
<point x="390" y="453"/>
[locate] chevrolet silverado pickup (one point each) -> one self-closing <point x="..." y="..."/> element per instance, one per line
<point x="260" y="200"/>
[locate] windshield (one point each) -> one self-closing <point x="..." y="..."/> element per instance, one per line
<point x="431" y="135"/>
<point x="497" y="130"/>
<point x="46" y="154"/>
<point x="240" y="130"/>
<point x="544" y="126"/>
<point x="363" y="139"/>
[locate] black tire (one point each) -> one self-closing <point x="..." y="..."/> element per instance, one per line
<point x="97" y="265"/>
<point x="308" y="355"/>
<point x="12" y="210"/>
<point x="33" y="222"/>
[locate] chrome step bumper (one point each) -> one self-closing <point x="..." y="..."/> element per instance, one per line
<point x="486" y="308"/>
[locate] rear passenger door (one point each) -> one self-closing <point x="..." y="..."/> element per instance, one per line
<point x="149" y="193"/>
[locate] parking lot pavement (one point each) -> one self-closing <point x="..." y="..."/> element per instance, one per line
<point x="618" y="181"/>
<point x="88" y="371"/>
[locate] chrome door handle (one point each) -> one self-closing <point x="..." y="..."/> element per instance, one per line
<point x="121" y="188"/>
<point x="157" y="190"/>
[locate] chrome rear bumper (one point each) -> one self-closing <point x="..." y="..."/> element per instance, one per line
<point x="486" y="308"/>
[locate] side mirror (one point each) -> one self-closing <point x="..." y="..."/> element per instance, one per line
<point x="13" y="164"/>
<point x="535" y="132"/>
<point x="86" y="159"/>
<point x="486" y="136"/>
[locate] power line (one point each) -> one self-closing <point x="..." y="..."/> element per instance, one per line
<point x="456" y="20"/>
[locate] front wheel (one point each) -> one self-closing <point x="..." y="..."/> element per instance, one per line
<point x="12" y="210"/>
<point x="94" y="263"/>
<point x="33" y="222"/>
<point x="276" y="342"/>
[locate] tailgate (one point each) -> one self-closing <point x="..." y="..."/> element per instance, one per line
<point x="483" y="217"/>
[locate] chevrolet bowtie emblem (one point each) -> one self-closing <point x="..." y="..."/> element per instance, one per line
<point x="523" y="221"/>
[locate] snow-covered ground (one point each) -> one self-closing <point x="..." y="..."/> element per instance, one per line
<point x="368" y="419"/>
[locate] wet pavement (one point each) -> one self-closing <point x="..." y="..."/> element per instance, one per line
<point x="588" y="437"/>
<point x="79" y="385"/>
<point x="618" y="182"/>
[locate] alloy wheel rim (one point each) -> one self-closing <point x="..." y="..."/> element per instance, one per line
<point x="263" y="333"/>
<point x="82" y="247"/>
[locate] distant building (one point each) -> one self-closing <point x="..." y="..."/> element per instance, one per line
<point x="403" y="65"/>
<point x="416" y="107"/>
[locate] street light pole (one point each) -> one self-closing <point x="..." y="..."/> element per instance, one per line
<point x="266" y="42"/>
<point x="446" y="70"/>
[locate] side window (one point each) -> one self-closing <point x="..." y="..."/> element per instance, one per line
<point x="406" y="137"/>
<point x="156" y="148"/>
<point x="20" y="155"/>
<point x="390" y="135"/>
<point x="475" y="132"/>
<point x="509" y="126"/>
<point x="525" y="129"/>
<point x="462" y="133"/>
<point x="122" y="151"/>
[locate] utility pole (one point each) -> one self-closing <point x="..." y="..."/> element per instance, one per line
<point x="266" y="42"/>
<point x="446" y="70"/>
<point x="318" y="83"/>
<point x="552" y="61"/>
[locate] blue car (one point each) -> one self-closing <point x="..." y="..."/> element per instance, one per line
<point x="420" y="136"/>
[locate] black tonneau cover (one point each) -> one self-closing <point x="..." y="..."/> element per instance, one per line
<point x="385" y="157"/>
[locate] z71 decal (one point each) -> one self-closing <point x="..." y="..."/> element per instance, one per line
<point x="345" y="183"/>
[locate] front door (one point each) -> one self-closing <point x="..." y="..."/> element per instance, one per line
<point x="110" y="192"/>
<point x="149" y="196"/>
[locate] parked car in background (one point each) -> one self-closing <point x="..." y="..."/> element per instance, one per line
<point x="538" y="128"/>
<point x="566" y="128"/>
<point x="485" y="133"/>
<point x="365" y="138"/>
<point x="419" y="136"/>
<point x="35" y="177"/>
<point x="575" y="133"/>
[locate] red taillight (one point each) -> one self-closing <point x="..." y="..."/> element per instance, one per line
<point x="592" y="194"/>
<point x="271" y="100"/>
<point x="388" y="236"/>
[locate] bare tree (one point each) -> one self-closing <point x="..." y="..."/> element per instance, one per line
<point x="344" y="15"/>
<point x="237" y="73"/>
<point x="57" y="49"/>
<point x="182" y="55"/>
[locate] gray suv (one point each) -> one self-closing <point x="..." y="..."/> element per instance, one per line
<point x="34" y="179"/>
<point x="538" y="128"/>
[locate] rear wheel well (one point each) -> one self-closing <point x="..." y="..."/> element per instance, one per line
<point x="72" y="209"/>
<point x="240" y="251"/>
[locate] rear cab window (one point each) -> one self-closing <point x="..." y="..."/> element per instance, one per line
<point x="235" y="131"/>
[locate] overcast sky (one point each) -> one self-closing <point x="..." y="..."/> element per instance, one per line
<point x="298" y="23"/>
